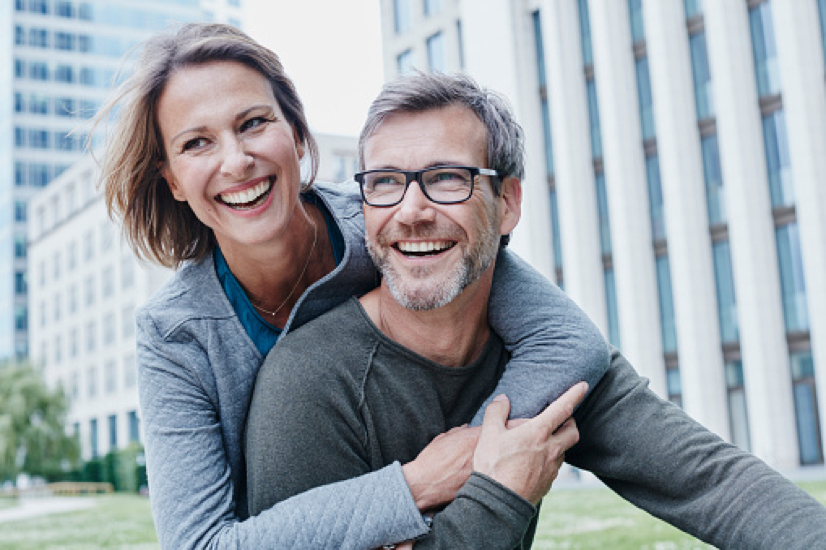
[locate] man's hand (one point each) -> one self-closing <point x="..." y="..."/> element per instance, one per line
<point x="527" y="458"/>
<point x="440" y="470"/>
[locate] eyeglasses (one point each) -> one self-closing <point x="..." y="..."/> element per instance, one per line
<point x="440" y="184"/>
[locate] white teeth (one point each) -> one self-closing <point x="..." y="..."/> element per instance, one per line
<point x="424" y="246"/>
<point x="248" y="195"/>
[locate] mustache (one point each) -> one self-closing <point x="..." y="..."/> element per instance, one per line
<point x="430" y="231"/>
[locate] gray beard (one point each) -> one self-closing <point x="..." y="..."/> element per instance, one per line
<point x="467" y="271"/>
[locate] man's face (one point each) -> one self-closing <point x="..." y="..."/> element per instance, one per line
<point x="429" y="253"/>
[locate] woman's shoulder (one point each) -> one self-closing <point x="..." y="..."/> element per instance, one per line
<point x="343" y="199"/>
<point x="192" y="293"/>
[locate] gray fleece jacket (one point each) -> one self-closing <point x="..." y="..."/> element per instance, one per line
<point x="197" y="367"/>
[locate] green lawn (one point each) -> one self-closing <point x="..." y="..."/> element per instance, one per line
<point x="592" y="518"/>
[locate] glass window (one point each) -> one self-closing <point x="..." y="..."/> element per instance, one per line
<point x="73" y="342"/>
<point x="593" y="114"/>
<point x="39" y="174"/>
<point x="778" y="162"/>
<point x="58" y="350"/>
<point x="403" y="15"/>
<point x="109" y="326"/>
<point x="64" y="41"/>
<point x="64" y="73"/>
<point x="39" y="104"/>
<point x="20" y="249"/>
<point x="693" y="8"/>
<point x="91" y="382"/>
<point x="557" y="239"/>
<point x="20" y="286"/>
<point x="113" y="432"/>
<point x="90" y="290"/>
<point x="21" y="318"/>
<point x="19" y="68"/>
<point x="64" y="9"/>
<point x="20" y="173"/>
<point x="715" y="194"/>
<point x="19" y="103"/>
<point x="604" y="218"/>
<point x="38" y="139"/>
<point x="637" y="26"/>
<point x="39" y="38"/>
<point x="134" y="428"/>
<point x="611" y="305"/>
<point x="128" y="321"/>
<point x="737" y="408"/>
<point x="805" y="404"/>
<point x="110" y="377"/>
<point x="432" y="7"/>
<point x="667" y="321"/>
<point x="585" y="33"/>
<point x="85" y="11"/>
<point x="404" y="61"/>
<point x="38" y="71"/>
<point x="764" y="49"/>
<point x="39" y="6"/>
<point x="674" y="386"/>
<point x="89" y="245"/>
<point x="57" y="308"/>
<point x="130" y="376"/>
<point x="93" y="436"/>
<point x="436" y="52"/>
<point x="87" y="76"/>
<point x="65" y="107"/>
<point x="20" y="210"/>
<point x="91" y="336"/>
<point x="108" y="282"/>
<point x="792" y="283"/>
<point x="73" y="292"/>
<point x="726" y="301"/>
<point x="19" y="36"/>
<point x="655" y="197"/>
<point x="127" y="272"/>
<point x="646" y="101"/>
<point x="703" y="98"/>
<point x="821" y="4"/>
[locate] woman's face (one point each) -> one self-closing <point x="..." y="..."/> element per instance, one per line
<point x="230" y="153"/>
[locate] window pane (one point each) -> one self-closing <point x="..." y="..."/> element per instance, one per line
<point x="792" y="283"/>
<point x="602" y="211"/>
<point x="693" y="8"/>
<point x="764" y="49"/>
<point x="778" y="163"/>
<point x="635" y="13"/>
<point x="613" y="313"/>
<point x="585" y="33"/>
<point x="436" y="52"/>
<point x="821" y="4"/>
<point x="655" y="197"/>
<point x="593" y="114"/>
<point x="703" y="97"/>
<point x="404" y="61"/>
<point x="402" y="15"/>
<point x="715" y="196"/>
<point x="726" y="302"/>
<point x="555" y="225"/>
<point x="667" y="321"/>
<point x="645" y="100"/>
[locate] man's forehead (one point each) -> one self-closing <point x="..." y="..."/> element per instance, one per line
<point x="451" y="131"/>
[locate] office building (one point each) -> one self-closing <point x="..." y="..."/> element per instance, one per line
<point x="674" y="188"/>
<point x="59" y="59"/>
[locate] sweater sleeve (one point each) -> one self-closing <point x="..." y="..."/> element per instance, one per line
<point x="655" y="456"/>
<point x="191" y="482"/>
<point x="553" y="343"/>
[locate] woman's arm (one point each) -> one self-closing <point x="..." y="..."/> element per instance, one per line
<point x="553" y="343"/>
<point x="190" y="477"/>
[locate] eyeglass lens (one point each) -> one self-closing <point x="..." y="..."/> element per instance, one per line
<point x="440" y="184"/>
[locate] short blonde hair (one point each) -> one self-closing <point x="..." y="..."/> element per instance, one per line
<point x="158" y="227"/>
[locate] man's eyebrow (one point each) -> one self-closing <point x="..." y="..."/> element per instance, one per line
<point x="428" y="166"/>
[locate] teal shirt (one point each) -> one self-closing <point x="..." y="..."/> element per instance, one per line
<point x="263" y="334"/>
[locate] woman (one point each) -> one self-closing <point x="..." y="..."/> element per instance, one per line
<point x="203" y="167"/>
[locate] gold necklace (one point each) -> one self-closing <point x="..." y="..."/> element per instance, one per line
<point x="290" y="295"/>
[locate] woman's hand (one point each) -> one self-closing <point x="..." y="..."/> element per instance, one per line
<point x="442" y="468"/>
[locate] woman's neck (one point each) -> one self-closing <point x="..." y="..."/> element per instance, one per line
<point x="275" y="275"/>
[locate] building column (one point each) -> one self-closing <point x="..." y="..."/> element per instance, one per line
<point x="625" y="178"/>
<point x="800" y="52"/>
<point x="503" y="65"/>
<point x="686" y="217"/>
<point x="574" y="171"/>
<point x="751" y="232"/>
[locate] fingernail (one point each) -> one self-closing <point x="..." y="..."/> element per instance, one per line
<point x="500" y="397"/>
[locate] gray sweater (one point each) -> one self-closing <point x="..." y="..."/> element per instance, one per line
<point x="338" y="399"/>
<point x="350" y="408"/>
<point x="197" y="367"/>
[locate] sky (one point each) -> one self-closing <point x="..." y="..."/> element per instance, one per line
<point x="332" y="51"/>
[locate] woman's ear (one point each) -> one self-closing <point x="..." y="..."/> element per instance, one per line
<point x="174" y="188"/>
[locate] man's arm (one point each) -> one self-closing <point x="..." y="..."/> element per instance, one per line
<point x="654" y="455"/>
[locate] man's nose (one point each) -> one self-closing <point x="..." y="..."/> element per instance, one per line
<point x="236" y="161"/>
<point x="415" y="206"/>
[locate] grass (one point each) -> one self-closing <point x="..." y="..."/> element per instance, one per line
<point x="579" y="518"/>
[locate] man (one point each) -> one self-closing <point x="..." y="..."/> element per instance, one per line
<point x="416" y="356"/>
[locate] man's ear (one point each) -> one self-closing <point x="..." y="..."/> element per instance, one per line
<point x="510" y="202"/>
<point x="174" y="188"/>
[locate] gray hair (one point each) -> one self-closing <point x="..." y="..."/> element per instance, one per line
<point x="418" y="92"/>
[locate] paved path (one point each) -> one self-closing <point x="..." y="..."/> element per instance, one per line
<point x="40" y="506"/>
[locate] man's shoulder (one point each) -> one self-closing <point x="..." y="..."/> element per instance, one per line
<point x="335" y="346"/>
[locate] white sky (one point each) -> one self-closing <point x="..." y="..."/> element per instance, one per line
<point x="332" y="51"/>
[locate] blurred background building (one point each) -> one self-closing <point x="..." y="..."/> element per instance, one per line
<point x="675" y="185"/>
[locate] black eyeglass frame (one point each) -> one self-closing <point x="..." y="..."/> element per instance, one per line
<point x="416" y="175"/>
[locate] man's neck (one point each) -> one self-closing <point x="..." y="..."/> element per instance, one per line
<point x="453" y="335"/>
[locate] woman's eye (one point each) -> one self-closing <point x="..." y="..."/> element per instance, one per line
<point x="194" y="144"/>
<point x="253" y="123"/>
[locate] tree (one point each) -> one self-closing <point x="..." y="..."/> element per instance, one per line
<point x="32" y="425"/>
